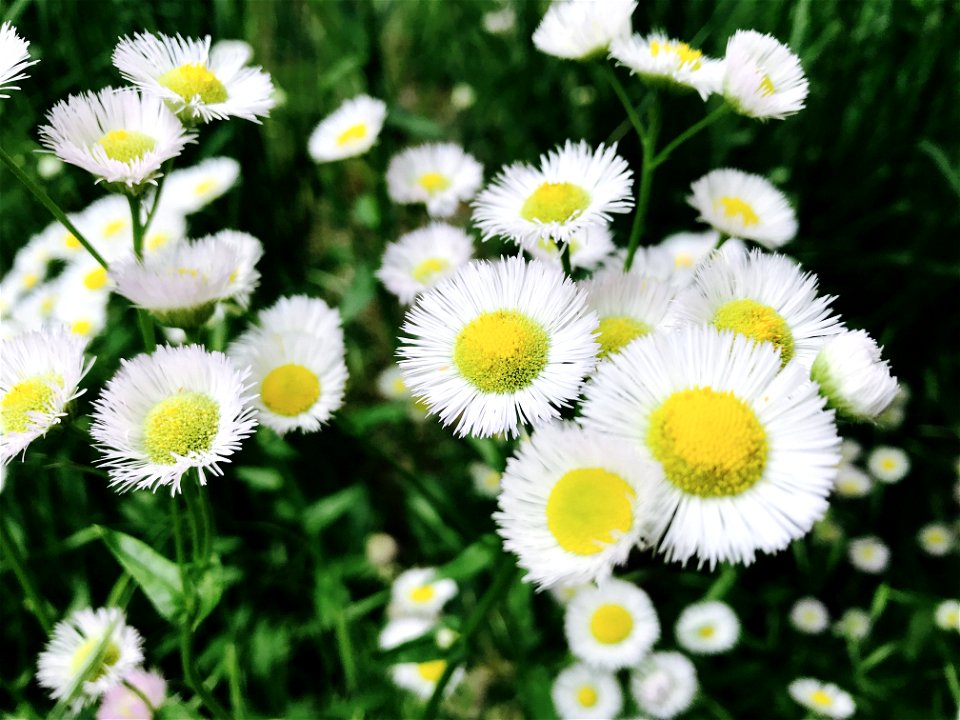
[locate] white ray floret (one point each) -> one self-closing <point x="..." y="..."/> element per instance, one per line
<point x="582" y="30"/>
<point x="588" y="248"/>
<point x="14" y="58"/>
<point x="421" y="678"/>
<point x="664" y="685"/>
<point x="190" y="189"/>
<point x="708" y="628"/>
<point x="825" y="699"/>
<point x="672" y="64"/>
<point x="419" y="592"/>
<point x="888" y="464"/>
<point x="438" y="175"/>
<point x="582" y="692"/>
<point x="121" y="701"/>
<point x="853" y="378"/>
<point x="420" y="259"/>
<point x="350" y="130"/>
<point x="498" y="345"/>
<point x="300" y="313"/>
<point x="405" y="628"/>
<point x="762" y="77"/>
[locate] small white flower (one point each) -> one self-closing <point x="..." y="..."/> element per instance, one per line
<point x="869" y="554"/>
<point x="947" y="615"/>
<point x="439" y="175"/>
<point x="420" y="259"/>
<point x="400" y="630"/>
<point x="707" y="628"/>
<point x="582" y="30"/>
<point x="663" y="62"/>
<point x="245" y="277"/>
<point x="854" y="624"/>
<point x="500" y="22"/>
<point x="664" y="685"/>
<point x="582" y="692"/>
<point x="350" y="130"/>
<point x="419" y="592"/>
<point x="852" y="377"/>
<point x="809" y="615"/>
<point x="896" y="412"/>
<point x="850" y="450"/>
<point x="563" y="593"/>
<point x="120" y="136"/>
<point x="390" y="384"/>
<point x="299" y="313"/>
<point x="486" y="480"/>
<point x="188" y="190"/>
<point x="823" y="698"/>
<point x="421" y="678"/>
<point x="588" y="248"/>
<point x="120" y="702"/>
<point x="937" y="539"/>
<point x="852" y="482"/>
<point x="763" y="78"/>
<point x="14" y="58"/>
<point x="888" y="464"/>
<point x="381" y="550"/>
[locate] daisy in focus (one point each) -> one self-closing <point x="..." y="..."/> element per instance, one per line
<point x="350" y="130"/>
<point x="197" y="85"/>
<point x="588" y="248"/>
<point x="165" y="413"/>
<point x="628" y="305"/>
<point x="744" y="205"/>
<point x="664" y="684"/>
<point x="662" y="62"/>
<point x="708" y="628"/>
<point x="498" y="345"/>
<point x="120" y="136"/>
<point x="418" y="592"/>
<point x="852" y="377"/>
<point x="39" y="375"/>
<point x="809" y="615"/>
<point x="888" y="464"/>
<point x="825" y="699"/>
<point x="763" y="78"/>
<point x="439" y="175"/>
<point x="420" y="259"/>
<point x="584" y="692"/>
<point x="122" y="702"/>
<point x="868" y="554"/>
<point x="14" y="58"/>
<point x="582" y="30"/>
<point x="575" y="187"/>
<point x="749" y="453"/>
<point x="191" y="189"/>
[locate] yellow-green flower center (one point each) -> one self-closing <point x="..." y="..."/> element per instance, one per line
<point x="204" y="186"/>
<point x="422" y="594"/>
<point x="683" y="52"/>
<point x="290" y="389"/>
<point x="757" y="321"/>
<point x="766" y="86"/>
<point x="126" y="145"/>
<point x="617" y="331"/>
<point x="432" y="669"/>
<point x="710" y="443"/>
<point x="587" y="696"/>
<point x="706" y="631"/>
<point x="555" y="202"/>
<point x="501" y="351"/>
<point x="95" y="279"/>
<point x="611" y="624"/>
<point x="819" y="697"/>
<point x="588" y="509"/>
<point x="434" y="182"/>
<point x="352" y="134"/>
<point x="735" y="206"/>
<point x="114" y="227"/>
<point x="183" y="423"/>
<point x="193" y="79"/>
<point x="83" y="653"/>
<point x="33" y="395"/>
<point x="427" y="270"/>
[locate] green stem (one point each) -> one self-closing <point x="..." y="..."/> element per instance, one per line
<point x="12" y="555"/>
<point x="40" y="194"/>
<point x="648" y="146"/>
<point x="196" y="523"/>
<point x="156" y="198"/>
<point x="565" y="260"/>
<point x="708" y="120"/>
<point x="139" y="230"/>
<point x="625" y="100"/>
<point x="345" y="646"/>
<point x="140" y="694"/>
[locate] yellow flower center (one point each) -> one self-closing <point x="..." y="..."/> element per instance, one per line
<point x="501" y="351"/>
<point x="819" y="697"/>
<point x="427" y="271"/>
<point x="33" y="395"/>
<point x="710" y="443"/>
<point x="936" y="537"/>
<point x="684" y="260"/>
<point x="953" y="618"/>
<point x="707" y="631"/>
<point x="491" y="481"/>
<point x="588" y="509"/>
<point x="422" y="594"/>
<point x="193" y="79"/>
<point x="81" y="327"/>
<point x="353" y="134"/>
<point x="734" y="206"/>
<point x="157" y="240"/>
<point x="30" y="279"/>
<point x="587" y="696"/>
<point x="757" y="321"/>
<point x="180" y="425"/>
<point x="555" y="202"/>
<point x="766" y="86"/>
<point x="46" y="307"/>
<point x="204" y="186"/>
<point x="611" y="624"/>
<point x="83" y="653"/>
<point x="71" y="242"/>
<point x="684" y="53"/>
<point x="95" y="279"/>
<point x="433" y="182"/>
<point x="125" y="146"/>
<point x="290" y="390"/>
<point x="617" y="331"/>
<point x="888" y="463"/>
<point x="431" y="670"/>
<point x="113" y="227"/>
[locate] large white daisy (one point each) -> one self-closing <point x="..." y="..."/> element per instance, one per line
<point x="582" y="30"/>
<point x="420" y="259"/>
<point x="350" y="130"/>
<point x="582" y="692"/>
<point x="439" y="175"/>
<point x="14" y="58"/>
<point x="763" y="78"/>
<point x="663" y="62"/>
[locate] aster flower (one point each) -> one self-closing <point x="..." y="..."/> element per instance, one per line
<point x="664" y="684"/>
<point x="420" y="259"/>
<point x="763" y="78"/>
<point x="120" y="702"/>
<point x="708" y="628"/>
<point x="349" y="131"/>
<point x="809" y="615"/>
<point x="869" y="554"/>
<point x="663" y="62"/>
<point x="582" y="30"/>
<point x="583" y="692"/>
<point x="191" y="189"/>
<point x="14" y="58"/>
<point x="888" y="464"/>
<point x="852" y="377"/>
<point x="825" y="699"/>
<point x="439" y="175"/>
<point x="420" y="592"/>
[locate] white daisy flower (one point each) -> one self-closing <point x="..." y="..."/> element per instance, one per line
<point x="852" y="377"/>
<point x="707" y="628"/>
<point x="665" y="684"/>
<point x="827" y="531"/>
<point x="763" y="78"/>
<point x="300" y="313"/>
<point x="381" y="550"/>
<point x="439" y="175"/>
<point x="120" y="136"/>
<point x="628" y="305"/>
<point x="199" y="86"/>
<point x="854" y="624"/>
<point x="574" y="188"/>
<point x="582" y="692"/>
<point x="165" y="413"/>
<point x="896" y="412"/>
<point x="422" y="258"/>
<point x="350" y="130"/>
<point x="106" y="224"/>
<point x="888" y="464"/>
<point x="612" y="626"/>
<point x="83" y="312"/>
<point x="582" y="30"/>
<point x="748" y="450"/>
<point x="937" y="539"/>
<point x="122" y="702"/>
<point x="947" y="615"/>
<point x="809" y="615"/>
<point x="74" y="646"/>
<point x="237" y="50"/>
<point x="188" y="190"/>
<point x="563" y="593"/>
<point x="850" y="450"/>
<point x="869" y="554"/>
<point x="400" y="630"/>
<point x="486" y="480"/>
<point x="40" y="372"/>
<point x="419" y="592"/>
<point x="14" y="58"/>
<point x="823" y="698"/>
<point x="498" y="345"/>
<point x="764" y="297"/>
<point x="390" y="384"/>
<point x="573" y="504"/>
<point x="421" y="678"/>
<point x="852" y="482"/>
<point x="500" y="22"/>
<point x="588" y="248"/>
<point x="34" y="310"/>
<point x="744" y="205"/>
<point x="245" y="277"/>
<point x="663" y="62"/>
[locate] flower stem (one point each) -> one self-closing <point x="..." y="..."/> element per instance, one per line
<point x="708" y="120"/>
<point x="139" y="230"/>
<point x="625" y="100"/>
<point x="12" y="556"/>
<point x="140" y="694"/>
<point x="648" y="145"/>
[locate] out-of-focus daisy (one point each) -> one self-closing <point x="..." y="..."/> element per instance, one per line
<point x="679" y="256"/>
<point x="83" y="312"/>
<point x="574" y="188"/>
<point x="852" y="482"/>
<point x="199" y="86"/>
<point x="853" y="378"/>
<point x="403" y="629"/>
<point x="763" y="78"/>
<point x="439" y="175"/>
<point x="74" y="646"/>
<point x="463" y="96"/>
<point x="573" y="504"/>
<point x="827" y="531"/>
<point x="664" y="685"/>
<point x="120" y="136"/>
<point x="744" y="205"/>
<point x="39" y="375"/>
<point x="563" y="593"/>
<point x="498" y="345"/>
<point x="854" y="624"/>
<point x="936" y="539"/>
<point x="190" y="189"/>
<point x="381" y="550"/>
<point x="869" y="554"/>
<point x="34" y="310"/>
<point x="122" y="703"/>
<point x="588" y="248"/>
<point x="707" y="628"/>
<point x="421" y="678"/>
<point x="486" y="480"/>
<point x="583" y="692"/>
<point x="850" y="450"/>
<point x="824" y="699"/>
<point x="165" y="413"/>
<point x="14" y="58"/>
<point x="612" y="626"/>
<point x="809" y="615"/>
<point x="662" y="62"/>
<point x="49" y="166"/>
<point x="947" y="615"/>
<point x="350" y="130"/>
<point x="300" y="313"/>
<point x="422" y="258"/>
<point x="390" y="384"/>
<point x="420" y="592"/>
<point x="582" y="30"/>
<point x="765" y="297"/>
<point x="245" y="277"/>
<point x="500" y="22"/>
<point x="896" y="412"/>
<point x="628" y="306"/>
<point x="888" y="464"/>
<point x="748" y="452"/>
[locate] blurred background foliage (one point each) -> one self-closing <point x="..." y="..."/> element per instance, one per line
<point x="872" y="164"/>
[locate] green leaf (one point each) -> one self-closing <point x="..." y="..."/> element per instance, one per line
<point x="878" y="656"/>
<point x="261" y="478"/>
<point x="209" y="590"/>
<point x="158" y="577"/>
<point x="365" y="212"/>
<point x="359" y="294"/>
<point x="175" y="710"/>
<point x="417" y="125"/>
<point x="326" y="511"/>
<point x="474" y="559"/>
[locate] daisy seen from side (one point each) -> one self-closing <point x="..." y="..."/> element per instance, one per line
<point x="852" y="377"/>
<point x="763" y="78"/>
<point x="825" y="699"/>
<point x="350" y="130"/>
<point x="663" y="62"/>
<point x="420" y="592"/>
<point x="582" y="30"/>
<point x="14" y="58"/>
